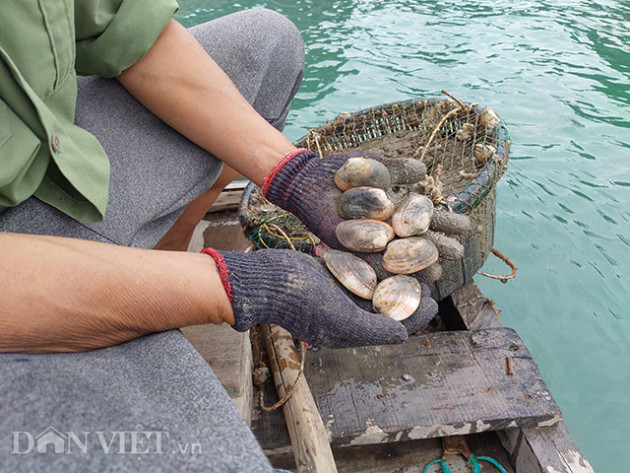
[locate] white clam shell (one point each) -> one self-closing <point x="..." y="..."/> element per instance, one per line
<point x="488" y="118"/>
<point x="397" y="297"/>
<point x="351" y="271"/>
<point x="366" y="236"/>
<point x="483" y="153"/>
<point x="413" y="216"/>
<point x="409" y="255"/>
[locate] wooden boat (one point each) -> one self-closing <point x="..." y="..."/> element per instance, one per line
<point x="468" y="383"/>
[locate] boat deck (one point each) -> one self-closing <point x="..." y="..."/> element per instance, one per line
<point x="387" y="409"/>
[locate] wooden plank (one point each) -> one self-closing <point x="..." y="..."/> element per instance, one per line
<point x="229" y="354"/>
<point x="549" y="450"/>
<point x="438" y="384"/>
<point x="475" y="309"/>
<point x="226" y="200"/>
<point x="411" y="456"/>
<point x="222" y="232"/>
<point x="311" y="448"/>
<point x="544" y="449"/>
<point x="229" y="197"/>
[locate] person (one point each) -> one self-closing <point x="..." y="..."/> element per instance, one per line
<point x="97" y="172"/>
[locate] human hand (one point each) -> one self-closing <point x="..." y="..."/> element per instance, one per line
<point x="303" y="184"/>
<point x="296" y="291"/>
<point x="312" y="189"/>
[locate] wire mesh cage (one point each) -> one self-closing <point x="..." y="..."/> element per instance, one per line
<point x="465" y="148"/>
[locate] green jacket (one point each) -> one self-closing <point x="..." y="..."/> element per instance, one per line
<point x="43" y="45"/>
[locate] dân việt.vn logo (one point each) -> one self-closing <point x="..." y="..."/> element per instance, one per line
<point x="120" y="442"/>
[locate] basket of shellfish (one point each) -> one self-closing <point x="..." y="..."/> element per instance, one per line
<point x="444" y="159"/>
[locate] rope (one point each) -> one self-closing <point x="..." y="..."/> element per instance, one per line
<point x="267" y="227"/>
<point x="473" y="461"/>
<point x="316" y="137"/>
<point x="493" y="462"/>
<point x="291" y="389"/>
<point x="455" y="111"/>
<point x="284" y="235"/>
<point x="507" y="261"/>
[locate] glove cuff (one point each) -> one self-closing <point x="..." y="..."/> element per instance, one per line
<point x="223" y="269"/>
<point x="252" y="283"/>
<point x="276" y="186"/>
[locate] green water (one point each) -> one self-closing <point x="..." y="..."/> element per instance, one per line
<point x="558" y="72"/>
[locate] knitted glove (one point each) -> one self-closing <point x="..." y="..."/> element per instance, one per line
<point x="303" y="184"/>
<point x="297" y="292"/>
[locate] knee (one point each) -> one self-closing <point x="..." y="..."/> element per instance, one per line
<point x="263" y="53"/>
<point x="274" y="37"/>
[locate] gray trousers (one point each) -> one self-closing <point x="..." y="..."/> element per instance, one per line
<point x="135" y="407"/>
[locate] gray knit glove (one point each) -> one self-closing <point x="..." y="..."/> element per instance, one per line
<point x="303" y="184"/>
<point x="296" y="291"/>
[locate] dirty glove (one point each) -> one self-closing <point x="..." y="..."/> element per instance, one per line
<point x="303" y="184"/>
<point x="296" y="291"/>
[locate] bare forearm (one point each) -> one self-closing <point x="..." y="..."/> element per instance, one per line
<point x="181" y="84"/>
<point x="64" y="294"/>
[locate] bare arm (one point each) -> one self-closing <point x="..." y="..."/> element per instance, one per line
<point x="72" y="295"/>
<point x="63" y="294"/>
<point x="181" y="84"/>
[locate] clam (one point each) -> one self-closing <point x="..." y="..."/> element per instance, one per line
<point x="351" y="271"/>
<point x="357" y="172"/>
<point x="409" y="255"/>
<point x="465" y="132"/>
<point x="413" y="216"/>
<point x="397" y="297"/>
<point x="367" y="236"/>
<point x="406" y="170"/>
<point x="488" y="118"/>
<point x="365" y="202"/>
<point x="483" y="153"/>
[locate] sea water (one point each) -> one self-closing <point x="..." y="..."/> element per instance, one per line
<point x="558" y="72"/>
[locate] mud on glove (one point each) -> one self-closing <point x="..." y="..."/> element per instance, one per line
<point x="296" y="291"/>
<point x="303" y="184"/>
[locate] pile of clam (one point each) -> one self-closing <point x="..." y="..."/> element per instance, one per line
<point x="407" y="231"/>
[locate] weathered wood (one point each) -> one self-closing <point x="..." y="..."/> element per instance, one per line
<point x="308" y="436"/>
<point x="476" y="311"/>
<point x="544" y="449"/>
<point x="438" y="384"/>
<point x="229" y="197"/>
<point x="222" y="232"/>
<point x="407" y="457"/>
<point x="229" y="354"/>
<point x="549" y="450"/>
